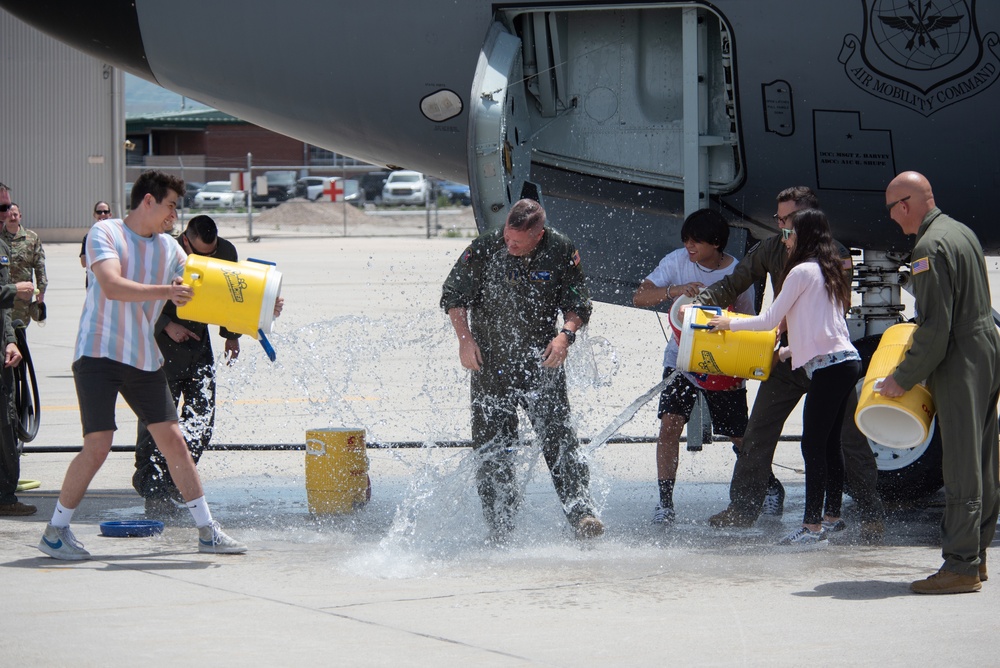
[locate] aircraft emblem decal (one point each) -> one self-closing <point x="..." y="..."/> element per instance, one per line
<point x="921" y="54"/>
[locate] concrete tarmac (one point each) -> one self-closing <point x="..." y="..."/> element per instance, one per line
<point x="407" y="580"/>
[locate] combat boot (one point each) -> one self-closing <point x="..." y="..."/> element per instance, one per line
<point x="731" y="518"/>
<point x="947" y="582"/>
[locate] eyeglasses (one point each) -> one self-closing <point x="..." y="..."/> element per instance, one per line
<point x="786" y="233"/>
<point x="783" y="220"/>
<point x="4" y="208"/>
<point x="888" y="207"/>
<point x="102" y="212"/>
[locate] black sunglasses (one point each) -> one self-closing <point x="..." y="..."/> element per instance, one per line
<point x="102" y="212"/>
<point x="4" y="208"/>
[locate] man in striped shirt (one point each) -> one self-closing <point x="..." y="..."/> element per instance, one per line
<point x="135" y="268"/>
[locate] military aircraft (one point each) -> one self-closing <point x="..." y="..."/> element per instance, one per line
<point x="620" y="116"/>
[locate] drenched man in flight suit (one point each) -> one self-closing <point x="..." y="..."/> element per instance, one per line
<point x="510" y="285"/>
<point x="956" y="348"/>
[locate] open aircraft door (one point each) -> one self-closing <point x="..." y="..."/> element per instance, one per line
<point x="499" y="142"/>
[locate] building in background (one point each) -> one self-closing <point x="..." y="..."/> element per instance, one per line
<point x="63" y="131"/>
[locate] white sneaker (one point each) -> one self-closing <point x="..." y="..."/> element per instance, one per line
<point x="804" y="536"/>
<point x="774" y="502"/>
<point x="60" y="543"/>
<point x="213" y="540"/>
<point x="833" y="527"/>
<point x="663" y="515"/>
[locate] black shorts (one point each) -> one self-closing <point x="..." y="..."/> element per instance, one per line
<point x="100" y="380"/>
<point x="727" y="407"/>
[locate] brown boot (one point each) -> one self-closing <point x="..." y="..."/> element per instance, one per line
<point x="589" y="527"/>
<point x="983" y="573"/>
<point x="730" y="517"/>
<point x="16" y="509"/>
<point x="947" y="582"/>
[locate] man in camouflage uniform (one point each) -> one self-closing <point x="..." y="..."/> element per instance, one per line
<point x="512" y="283"/>
<point x="10" y="465"/>
<point x="27" y="261"/>
<point x="956" y="348"/>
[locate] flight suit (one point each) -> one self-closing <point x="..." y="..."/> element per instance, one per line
<point x="514" y="303"/>
<point x="10" y="465"/>
<point x="957" y="349"/>
<point x="778" y="396"/>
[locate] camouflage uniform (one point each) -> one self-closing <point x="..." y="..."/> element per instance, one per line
<point x="27" y="263"/>
<point x="778" y="396"/>
<point x="957" y="350"/>
<point x="514" y="303"/>
<point x="10" y="466"/>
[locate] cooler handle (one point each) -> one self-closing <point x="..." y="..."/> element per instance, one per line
<point x="715" y="309"/>
<point x="268" y="348"/>
<point x="253" y="259"/>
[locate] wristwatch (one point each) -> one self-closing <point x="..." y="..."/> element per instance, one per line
<point x="570" y="335"/>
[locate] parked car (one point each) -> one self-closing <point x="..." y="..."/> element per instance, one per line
<point x="218" y="195"/>
<point x="280" y="188"/>
<point x="352" y="190"/>
<point x="405" y="187"/>
<point x="456" y="193"/>
<point x="371" y="185"/>
<point x="303" y="185"/>
<point x="191" y="189"/>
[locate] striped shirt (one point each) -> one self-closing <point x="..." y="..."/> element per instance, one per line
<point x="124" y="331"/>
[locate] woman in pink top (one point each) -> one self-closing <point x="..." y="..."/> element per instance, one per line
<point x="814" y="296"/>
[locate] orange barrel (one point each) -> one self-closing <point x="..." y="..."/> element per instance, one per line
<point x="903" y="422"/>
<point x="336" y="470"/>
<point x="239" y="296"/>
<point x="707" y="351"/>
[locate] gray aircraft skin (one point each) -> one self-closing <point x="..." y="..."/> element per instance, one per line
<point x="620" y="117"/>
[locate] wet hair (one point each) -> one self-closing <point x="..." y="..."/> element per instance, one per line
<point x="803" y="196"/>
<point x="526" y="214"/>
<point x="99" y="203"/>
<point x="814" y="241"/>
<point x="706" y="226"/>
<point x="204" y="228"/>
<point x="157" y="184"/>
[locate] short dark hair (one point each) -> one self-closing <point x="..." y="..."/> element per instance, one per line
<point x="157" y="184"/>
<point x="803" y="196"/>
<point x="706" y="226"/>
<point x="204" y="228"/>
<point x="526" y="214"/>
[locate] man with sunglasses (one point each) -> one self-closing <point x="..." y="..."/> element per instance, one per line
<point x="753" y="481"/>
<point x="10" y="465"/>
<point x="956" y="349"/>
<point x="189" y="363"/>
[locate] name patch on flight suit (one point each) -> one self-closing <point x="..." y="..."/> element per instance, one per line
<point x="920" y="266"/>
<point x="540" y="275"/>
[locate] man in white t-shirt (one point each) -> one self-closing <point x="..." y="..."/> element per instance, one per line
<point x="702" y="261"/>
<point x="135" y="268"/>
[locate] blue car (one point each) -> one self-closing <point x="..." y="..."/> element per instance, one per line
<point x="457" y="193"/>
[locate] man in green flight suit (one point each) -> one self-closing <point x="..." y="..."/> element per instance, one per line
<point x="956" y="348"/>
<point x="753" y="481"/>
<point x="510" y="285"/>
